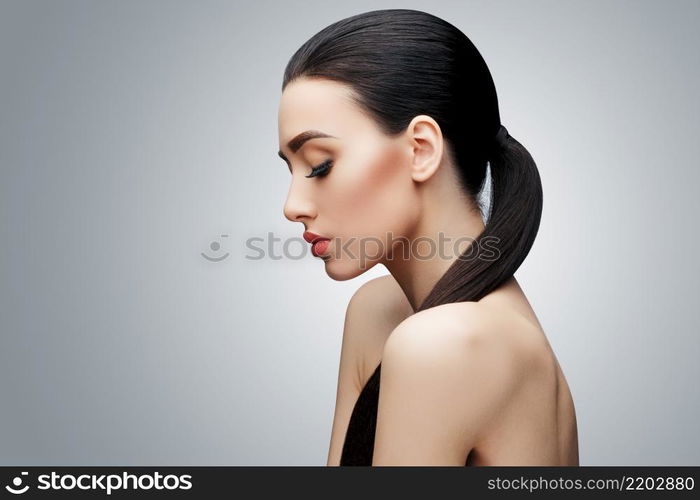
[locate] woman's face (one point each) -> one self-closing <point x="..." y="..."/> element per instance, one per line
<point x="366" y="198"/>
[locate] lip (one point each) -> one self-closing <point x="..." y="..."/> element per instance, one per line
<point x="320" y="248"/>
<point x="313" y="237"/>
<point x="319" y="244"/>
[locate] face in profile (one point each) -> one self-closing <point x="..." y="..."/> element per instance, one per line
<point x="363" y="194"/>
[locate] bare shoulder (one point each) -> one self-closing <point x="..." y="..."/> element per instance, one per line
<point x="382" y="297"/>
<point x="497" y="342"/>
<point x="457" y="364"/>
<point x="372" y="313"/>
<point x="473" y="321"/>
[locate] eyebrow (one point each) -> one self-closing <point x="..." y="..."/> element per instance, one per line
<point x="298" y="141"/>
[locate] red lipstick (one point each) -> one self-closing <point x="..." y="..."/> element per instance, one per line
<point x="319" y="244"/>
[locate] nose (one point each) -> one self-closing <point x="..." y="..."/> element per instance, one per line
<point x="298" y="205"/>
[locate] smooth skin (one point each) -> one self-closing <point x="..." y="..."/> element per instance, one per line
<point x="466" y="380"/>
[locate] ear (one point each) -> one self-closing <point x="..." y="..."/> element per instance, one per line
<point x="426" y="144"/>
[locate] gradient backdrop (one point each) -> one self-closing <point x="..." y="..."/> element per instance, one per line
<point x="135" y="135"/>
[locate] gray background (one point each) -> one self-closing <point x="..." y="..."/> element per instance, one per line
<point x="135" y="134"/>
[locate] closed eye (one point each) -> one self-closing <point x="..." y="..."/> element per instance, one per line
<point x="321" y="170"/>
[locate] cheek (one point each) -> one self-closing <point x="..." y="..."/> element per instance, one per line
<point x="376" y="196"/>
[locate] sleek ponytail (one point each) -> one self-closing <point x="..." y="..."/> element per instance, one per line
<point x="513" y="220"/>
<point x="400" y="63"/>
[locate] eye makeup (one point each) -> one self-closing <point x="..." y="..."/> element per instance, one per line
<point x="321" y="170"/>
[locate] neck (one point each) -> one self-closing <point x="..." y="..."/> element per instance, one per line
<point x="447" y="226"/>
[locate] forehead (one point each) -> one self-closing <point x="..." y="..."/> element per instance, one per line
<point x="317" y="104"/>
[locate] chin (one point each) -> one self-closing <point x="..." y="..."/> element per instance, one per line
<point x="343" y="270"/>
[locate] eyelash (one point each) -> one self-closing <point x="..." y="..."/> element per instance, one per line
<point x="321" y="170"/>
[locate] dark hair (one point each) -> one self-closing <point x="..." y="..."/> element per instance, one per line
<point x="400" y="63"/>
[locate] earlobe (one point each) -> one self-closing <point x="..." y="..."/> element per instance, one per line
<point x="426" y="144"/>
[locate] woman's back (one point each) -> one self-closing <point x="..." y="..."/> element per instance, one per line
<point x="536" y="427"/>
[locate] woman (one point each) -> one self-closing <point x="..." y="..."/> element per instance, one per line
<point x="387" y="122"/>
